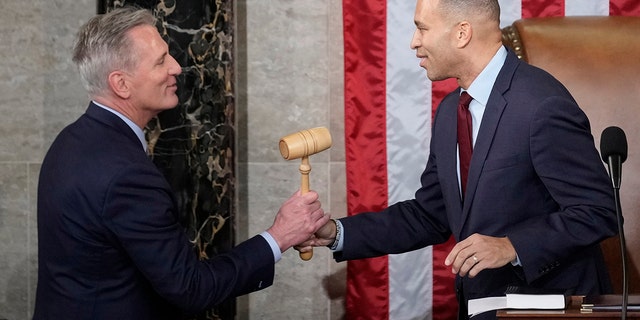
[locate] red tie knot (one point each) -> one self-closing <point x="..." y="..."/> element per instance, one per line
<point x="465" y="99"/>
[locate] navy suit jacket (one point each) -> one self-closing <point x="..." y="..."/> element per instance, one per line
<point x="535" y="177"/>
<point x="110" y="245"/>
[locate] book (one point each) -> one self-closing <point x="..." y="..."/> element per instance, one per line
<point x="536" y="298"/>
<point x="609" y="302"/>
<point x="521" y="298"/>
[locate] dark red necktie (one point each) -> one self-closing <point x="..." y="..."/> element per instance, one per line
<point x="465" y="138"/>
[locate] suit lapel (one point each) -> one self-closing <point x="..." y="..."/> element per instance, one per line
<point x="490" y="120"/>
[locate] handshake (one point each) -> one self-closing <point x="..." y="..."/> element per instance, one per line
<point x="301" y="222"/>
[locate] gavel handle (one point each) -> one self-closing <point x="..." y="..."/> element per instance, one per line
<point x="305" y="168"/>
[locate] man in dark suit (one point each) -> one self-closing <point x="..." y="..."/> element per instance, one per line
<point x="110" y="245"/>
<point x="538" y="199"/>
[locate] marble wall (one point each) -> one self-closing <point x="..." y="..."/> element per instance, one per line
<point x="288" y="78"/>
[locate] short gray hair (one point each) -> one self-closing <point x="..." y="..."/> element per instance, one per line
<point x="102" y="45"/>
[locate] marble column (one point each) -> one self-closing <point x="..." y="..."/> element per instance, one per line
<point x="193" y="144"/>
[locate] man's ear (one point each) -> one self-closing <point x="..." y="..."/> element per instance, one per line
<point x="464" y="33"/>
<point x="119" y="84"/>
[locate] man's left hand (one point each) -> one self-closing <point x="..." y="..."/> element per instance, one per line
<point x="479" y="252"/>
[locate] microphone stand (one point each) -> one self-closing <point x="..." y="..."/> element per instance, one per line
<point x="623" y="246"/>
<point x="623" y="251"/>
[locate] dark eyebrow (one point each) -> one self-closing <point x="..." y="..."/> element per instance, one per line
<point x="419" y="24"/>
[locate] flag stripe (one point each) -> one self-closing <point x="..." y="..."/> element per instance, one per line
<point x="586" y="7"/>
<point x="408" y="114"/>
<point x="542" y="8"/>
<point x="624" y="8"/>
<point x="365" y="145"/>
<point x="510" y="11"/>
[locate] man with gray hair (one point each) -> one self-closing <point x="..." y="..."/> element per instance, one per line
<point x="109" y="242"/>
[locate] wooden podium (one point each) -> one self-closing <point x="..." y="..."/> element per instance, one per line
<point x="572" y="311"/>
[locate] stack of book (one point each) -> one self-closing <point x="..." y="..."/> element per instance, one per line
<point x="609" y="302"/>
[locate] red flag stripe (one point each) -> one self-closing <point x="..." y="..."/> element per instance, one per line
<point x="365" y="146"/>
<point x="624" y="8"/>
<point x="542" y="8"/>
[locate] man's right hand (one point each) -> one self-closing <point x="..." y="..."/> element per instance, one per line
<point x="298" y="219"/>
<point x="325" y="236"/>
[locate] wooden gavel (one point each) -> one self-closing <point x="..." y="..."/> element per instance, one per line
<point x="302" y="144"/>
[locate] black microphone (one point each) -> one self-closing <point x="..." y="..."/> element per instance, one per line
<point x="613" y="149"/>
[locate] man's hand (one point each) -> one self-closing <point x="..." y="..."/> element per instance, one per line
<point x="325" y="236"/>
<point x="479" y="252"/>
<point x="297" y="220"/>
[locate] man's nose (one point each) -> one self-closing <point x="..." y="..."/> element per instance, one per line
<point x="414" y="40"/>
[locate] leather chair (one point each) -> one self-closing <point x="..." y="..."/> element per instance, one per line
<point x="598" y="60"/>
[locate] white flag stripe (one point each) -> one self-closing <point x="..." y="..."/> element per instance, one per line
<point x="586" y="7"/>
<point x="510" y="11"/>
<point x="408" y="108"/>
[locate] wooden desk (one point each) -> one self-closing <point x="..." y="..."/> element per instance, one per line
<point x="572" y="311"/>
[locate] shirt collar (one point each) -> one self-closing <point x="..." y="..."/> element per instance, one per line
<point x="480" y="88"/>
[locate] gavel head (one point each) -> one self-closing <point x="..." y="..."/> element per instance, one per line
<point x="305" y="143"/>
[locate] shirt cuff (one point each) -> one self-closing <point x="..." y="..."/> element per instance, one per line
<point x="338" y="244"/>
<point x="277" y="255"/>
<point x="516" y="262"/>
